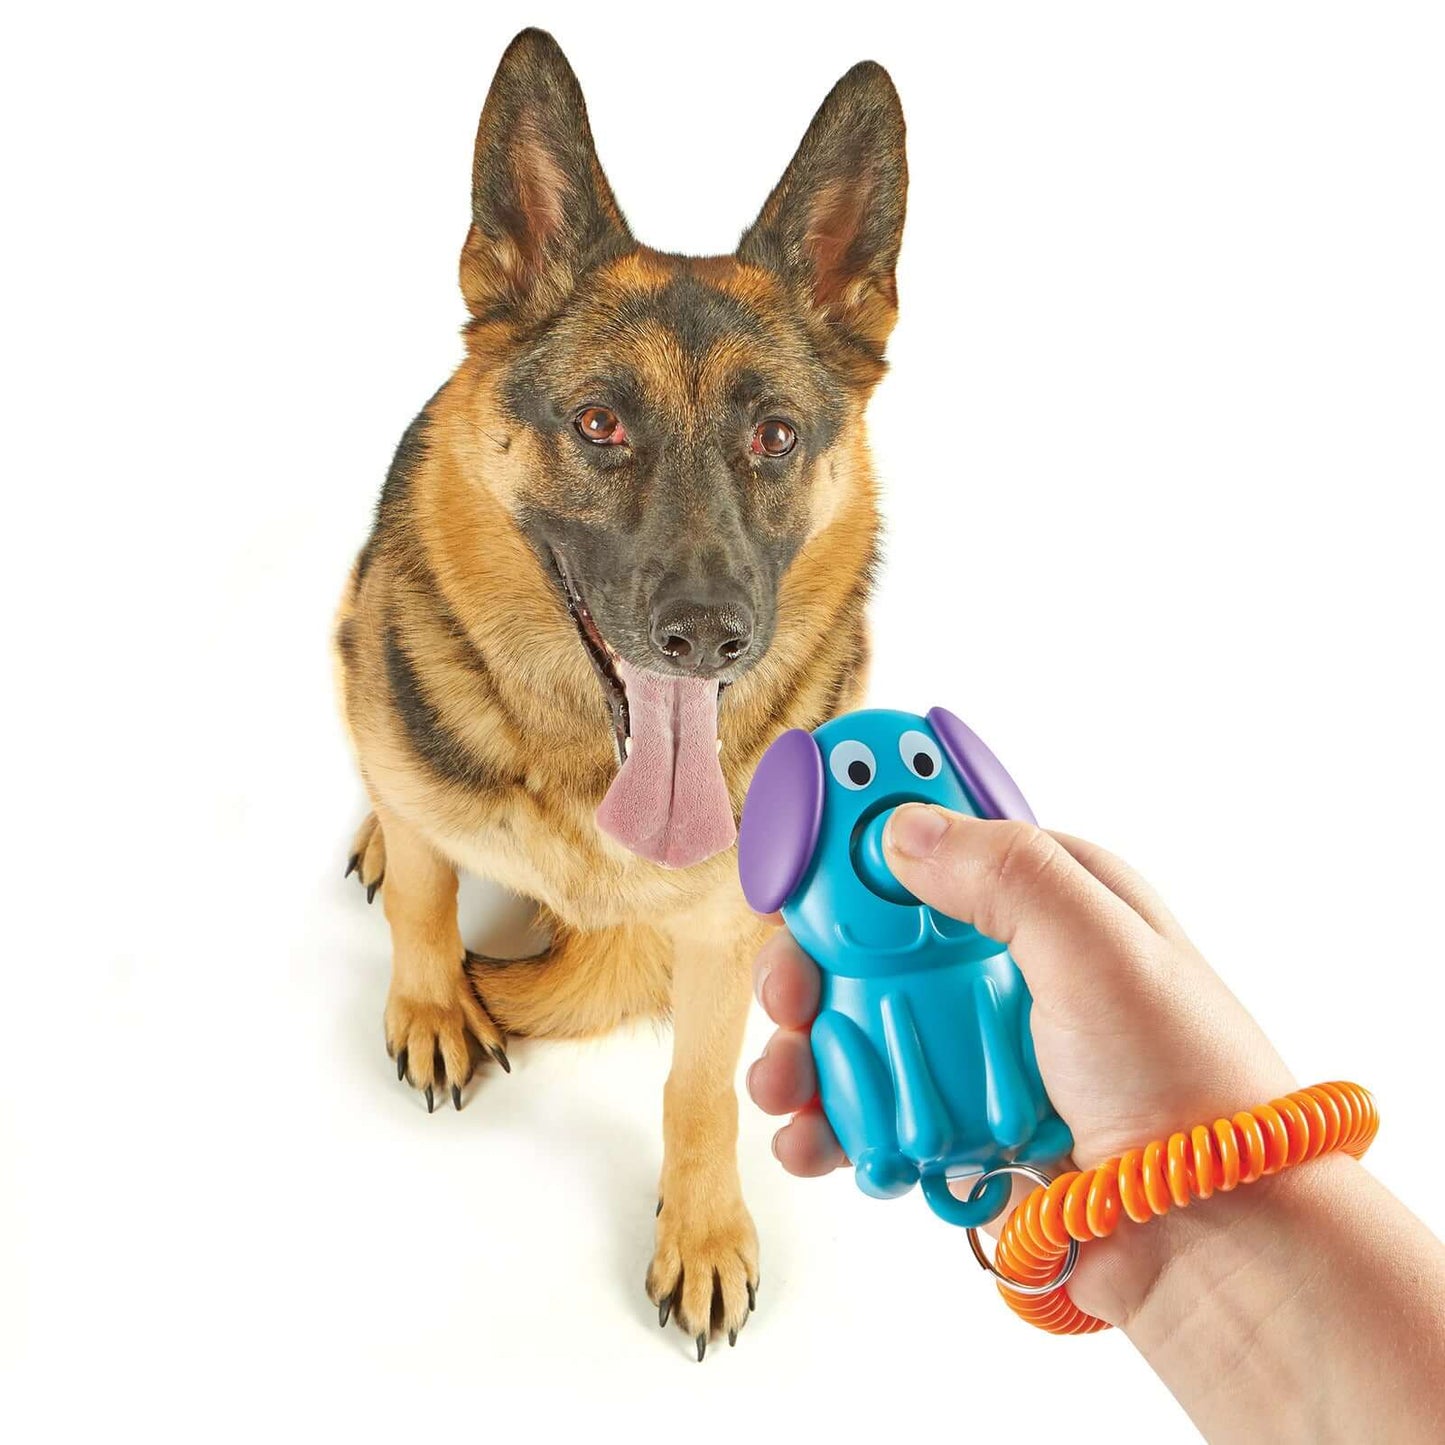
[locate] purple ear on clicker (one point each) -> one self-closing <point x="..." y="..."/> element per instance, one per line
<point x="781" y="817"/>
<point x="995" y="794"/>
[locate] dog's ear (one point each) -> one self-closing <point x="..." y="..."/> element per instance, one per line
<point x="541" y="208"/>
<point x="834" y="223"/>
<point x="781" y="818"/>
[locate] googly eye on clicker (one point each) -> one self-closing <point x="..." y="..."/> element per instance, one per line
<point x="920" y="754"/>
<point x="853" y="764"/>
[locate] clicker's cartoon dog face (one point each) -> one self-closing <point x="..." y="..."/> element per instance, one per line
<point x="811" y="841"/>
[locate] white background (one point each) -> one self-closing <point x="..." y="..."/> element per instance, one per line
<point x="1162" y="447"/>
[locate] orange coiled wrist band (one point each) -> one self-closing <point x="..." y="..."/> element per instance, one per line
<point x="1088" y="1204"/>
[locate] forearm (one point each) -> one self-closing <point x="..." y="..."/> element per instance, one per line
<point x="1305" y="1307"/>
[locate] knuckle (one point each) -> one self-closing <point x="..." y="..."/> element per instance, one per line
<point x="1023" y="857"/>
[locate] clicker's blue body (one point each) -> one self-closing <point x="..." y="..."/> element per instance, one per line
<point x="923" y="1047"/>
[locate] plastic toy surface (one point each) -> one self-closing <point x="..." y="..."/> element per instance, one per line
<point x="925" y="1058"/>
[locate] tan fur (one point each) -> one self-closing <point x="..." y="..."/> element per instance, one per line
<point x="632" y="939"/>
<point x="483" y="737"/>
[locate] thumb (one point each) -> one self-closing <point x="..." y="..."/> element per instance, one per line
<point x="1070" y="936"/>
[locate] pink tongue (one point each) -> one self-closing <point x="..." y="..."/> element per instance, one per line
<point x="669" y="802"/>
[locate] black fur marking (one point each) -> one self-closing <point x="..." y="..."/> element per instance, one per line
<point x="346" y="641"/>
<point x="428" y="591"/>
<point x="529" y="401"/>
<point x="431" y="739"/>
<point x="699" y="315"/>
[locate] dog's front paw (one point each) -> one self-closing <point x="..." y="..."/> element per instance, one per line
<point x="439" y="1041"/>
<point x="704" y="1273"/>
<point x="368" y="856"/>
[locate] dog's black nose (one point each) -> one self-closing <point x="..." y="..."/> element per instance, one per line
<point x="702" y="637"/>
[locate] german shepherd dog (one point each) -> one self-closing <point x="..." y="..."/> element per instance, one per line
<point x="621" y="549"/>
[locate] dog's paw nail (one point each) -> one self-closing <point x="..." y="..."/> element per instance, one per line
<point x="371" y="890"/>
<point x="353" y="863"/>
<point x="752" y="1297"/>
<point x="500" y="1055"/>
<point x="659" y="1209"/>
<point x="401" y="1066"/>
<point x="732" y="1337"/>
<point x="456" y="1097"/>
<point x="701" y="1347"/>
<point x="429" y="1099"/>
<point x="664" y="1312"/>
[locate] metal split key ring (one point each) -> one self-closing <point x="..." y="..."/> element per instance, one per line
<point x="1071" y="1258"/>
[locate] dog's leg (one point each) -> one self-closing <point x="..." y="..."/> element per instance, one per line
<point x="436" y="1027"/>
<point x="584" y="984"/>
<point x="705" y="1269"/>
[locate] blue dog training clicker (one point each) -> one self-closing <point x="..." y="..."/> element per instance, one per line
<point x="925" y="1058"/>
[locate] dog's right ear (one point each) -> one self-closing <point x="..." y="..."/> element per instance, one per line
<point x="541" y="208"/>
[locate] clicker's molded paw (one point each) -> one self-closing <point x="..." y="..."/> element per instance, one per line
<point x="884" y="1173"/>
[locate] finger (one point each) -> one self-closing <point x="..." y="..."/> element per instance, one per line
<point x="807" y="1146"/>
<point x="786" y="982"/>
<point x="783" y="1080"/>
<point x="1071" y="937"/>
<point x="1122" y="881"/>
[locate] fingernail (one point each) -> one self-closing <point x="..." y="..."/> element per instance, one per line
<point x="762" y="967"/>
<point x="776" y="1155"/>
<point x="915" y="831"/>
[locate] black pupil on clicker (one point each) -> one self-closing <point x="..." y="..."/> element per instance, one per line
<point x="923" y="765"/>
<point x="859" y="772"/>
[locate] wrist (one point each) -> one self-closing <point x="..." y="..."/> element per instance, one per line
<point x="1215" y="1257"/>
<point x="1241" y="1254"/>
<point x="1276" y="1311"/>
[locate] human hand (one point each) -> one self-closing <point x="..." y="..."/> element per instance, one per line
<point x="1135" y="1034"/>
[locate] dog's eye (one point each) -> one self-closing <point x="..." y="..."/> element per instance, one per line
<point x="920" y="754"/>
<point x="773" y="438"/>
<point x="601" y="426"/>
<point x="853" y="765"/>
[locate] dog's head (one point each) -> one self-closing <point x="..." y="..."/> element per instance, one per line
<point x="674" y="425"/>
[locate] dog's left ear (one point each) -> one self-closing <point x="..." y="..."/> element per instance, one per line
<point x="542" y="210"/>
<point x="834" y="223"/>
